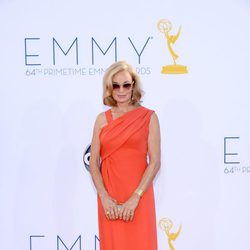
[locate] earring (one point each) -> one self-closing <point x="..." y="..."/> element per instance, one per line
<point x="132" y="96"/>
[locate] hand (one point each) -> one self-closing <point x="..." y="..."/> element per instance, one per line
<point x="127" y="210"/>
<point x="110" y="208"/>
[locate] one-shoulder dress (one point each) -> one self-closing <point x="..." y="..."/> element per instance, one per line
<point x="123" y="151"/>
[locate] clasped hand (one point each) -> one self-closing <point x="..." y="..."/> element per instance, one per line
<point x="125" y="211"/>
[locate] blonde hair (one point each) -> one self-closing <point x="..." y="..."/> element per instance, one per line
<point x="108" y="87"/>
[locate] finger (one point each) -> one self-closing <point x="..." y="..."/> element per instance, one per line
<point x="119" y="209"/>
<point x="125" y="215"/>
<point x="112" y="214"/>
<point x="107" y="213"/>
<point x="131" y="215"/>
<point x="120" y="213"/>
<point x="116" y="212"/>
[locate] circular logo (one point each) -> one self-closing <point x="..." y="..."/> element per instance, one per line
<point x="86" y="157"/>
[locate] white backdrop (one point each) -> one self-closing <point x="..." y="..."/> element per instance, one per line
<point x="51" y="93"/>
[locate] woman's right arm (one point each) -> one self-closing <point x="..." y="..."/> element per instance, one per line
<point x="109" y="204"/>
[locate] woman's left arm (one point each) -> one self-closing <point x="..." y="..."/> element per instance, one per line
<point x="154" y="152"/>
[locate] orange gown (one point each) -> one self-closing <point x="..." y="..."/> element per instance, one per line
<point x="123" y="150"/>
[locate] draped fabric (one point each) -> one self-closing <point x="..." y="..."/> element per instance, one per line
<point x="123" y="150"/>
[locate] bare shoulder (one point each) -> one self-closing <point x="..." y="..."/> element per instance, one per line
<point x="100" y="121"/>
<point x="154" y="121"/>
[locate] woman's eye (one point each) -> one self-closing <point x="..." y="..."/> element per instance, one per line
<point x="116" y="86"/>
<point x="127" y="85"/>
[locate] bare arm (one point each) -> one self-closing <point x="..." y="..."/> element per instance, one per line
<point x="154" y="152"/>
<point x="95" y="159"/>
<point x="109" y="204"/>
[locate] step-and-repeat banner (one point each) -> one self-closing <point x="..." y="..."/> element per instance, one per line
<point x="193" y="60"/>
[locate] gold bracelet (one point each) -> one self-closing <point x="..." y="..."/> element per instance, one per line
<point x="139" y="192"/>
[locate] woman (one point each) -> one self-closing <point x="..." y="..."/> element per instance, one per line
<point x="123" y="137"/>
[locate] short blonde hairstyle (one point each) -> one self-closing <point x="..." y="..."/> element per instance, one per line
<point x="108" y="87"/>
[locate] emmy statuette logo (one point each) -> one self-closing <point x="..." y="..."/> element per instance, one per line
<point x="166" y="225"/>
<point x="165" y="26"/>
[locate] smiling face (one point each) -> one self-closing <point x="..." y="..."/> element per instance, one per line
<point x="123" y="92"/>
<point x="116" y="85"/>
